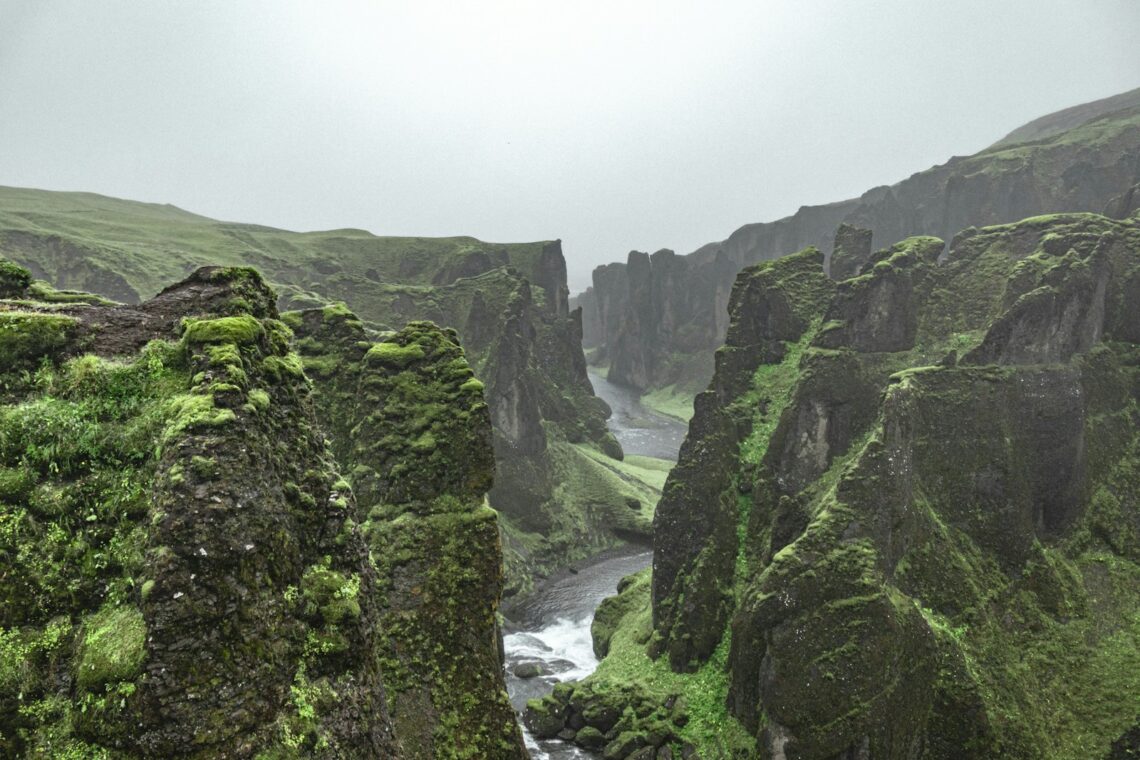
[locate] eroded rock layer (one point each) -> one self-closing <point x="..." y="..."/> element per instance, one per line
<point x="508" y="303"/>
<point x="185" y="573"/>
<point x="905" y="523"/>
<point x="658" y="319"/>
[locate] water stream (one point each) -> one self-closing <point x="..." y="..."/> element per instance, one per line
<point x="552" y="627"/>
<point x="554" y="632"/>
<point x="639" y="430"/>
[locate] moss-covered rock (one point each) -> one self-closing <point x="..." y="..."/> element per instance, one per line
<point x="696" y="537"/>
<point x="508" y="303"/>
<point x="111" y="647"/>
<point x="27" y="337"/>
<point x="183" y="570"/>
<point x="657" y="320"/>
<point x="14" y="279"/>
<point x="920" y="555"/>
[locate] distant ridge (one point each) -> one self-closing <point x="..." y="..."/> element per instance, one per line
<point x="1061" y="121"/>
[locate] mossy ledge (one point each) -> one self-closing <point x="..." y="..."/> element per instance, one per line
<point x="185" y="572"/>
<point x="905" y="523"/>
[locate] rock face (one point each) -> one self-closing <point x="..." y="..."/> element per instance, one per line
<point x="525" y="347"/>
<point x="694" y="529"/>
<point x="186" y="574"/>
<point x="907" y="505"/>
<point x="851" y="251"/>
<point x="509" y="304"/>
<point x="658" y="325"/>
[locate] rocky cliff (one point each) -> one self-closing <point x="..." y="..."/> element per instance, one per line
<point x="904" y="523"/>
<point x="508" y="304"/>
<point x="658" y="319"/>
<point x="185" y="571"/>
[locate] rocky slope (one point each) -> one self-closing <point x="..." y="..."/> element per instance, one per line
<point x="655" y="320"/>
<point x="1067" y="118"/>
<point x="184" y="572"/>
<point x="904" y="523"/>
<point x="508" y="304"/>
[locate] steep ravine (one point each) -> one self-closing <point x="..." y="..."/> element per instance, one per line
<point x="551" y="629"/>
<point x="507" y="302"/>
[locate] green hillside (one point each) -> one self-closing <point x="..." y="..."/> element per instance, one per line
<point x="75" y="239"/>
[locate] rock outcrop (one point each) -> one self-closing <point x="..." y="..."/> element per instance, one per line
<point x="851" y="251"/>
<point x="658" y="326"/>
<point x="508" y="303"/>
<point x="184" y="572"/>
<point x="905" y="521"/>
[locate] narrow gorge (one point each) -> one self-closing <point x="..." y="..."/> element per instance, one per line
<point x="862" y="483"/>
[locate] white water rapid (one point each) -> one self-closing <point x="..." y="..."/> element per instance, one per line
<point x="552" y="628"/>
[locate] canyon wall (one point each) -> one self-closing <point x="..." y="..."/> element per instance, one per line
<point x="186" y="570"/>
<point x="657" y="320"/>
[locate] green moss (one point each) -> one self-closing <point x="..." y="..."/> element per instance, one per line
<point x="112" y="648"/>
<point x="26" y="337"/>
<point x="43" y="293"/>
<point x="225" y="355"/>
<point x="472" y="386"/>
<point x="240" y="330"/>
<point x="14" y="279"/>
<point x="190" y="411"/>
<point x="205" y="468"/>
<point x="338" y="310"/>
<point x="395" y="355"/>
<point x="281" y="369"/>
<point x="260" y="399"/>
<point x="23" y="651"/>
<point x="768" y="396"/>
<point x="330" y="595"/>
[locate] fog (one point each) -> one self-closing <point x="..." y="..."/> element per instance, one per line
<point x="611" y="125"/>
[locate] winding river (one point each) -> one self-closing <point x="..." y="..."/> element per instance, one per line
<point x="552" y="627"/>
<point x="639" y="430"/>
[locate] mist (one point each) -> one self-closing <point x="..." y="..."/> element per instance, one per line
<point x="613" y="126"/>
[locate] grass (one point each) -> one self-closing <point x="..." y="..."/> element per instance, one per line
<point x="703" y="692"/>
<point x="152" y="245"/>
<point x="640" y="476"/>
<point x="670" y="402"/>
<point x="634" y="469"/>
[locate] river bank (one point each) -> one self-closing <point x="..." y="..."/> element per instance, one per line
<point x="547" y="635"/>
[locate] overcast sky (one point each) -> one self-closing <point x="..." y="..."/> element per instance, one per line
<point x="613" y="125"/>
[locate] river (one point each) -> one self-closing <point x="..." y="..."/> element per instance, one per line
<point x="552" y="627"/>
<point x="639" y="430"/>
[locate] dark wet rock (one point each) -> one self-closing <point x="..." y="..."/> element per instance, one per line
<point x="241" y="596"/>
<point x="851" y="251"/>
<point x="658" y="321"/>
<point x="527" y="670"/>
<point x="918" y="526"/>
<point x="1127" y="747"/>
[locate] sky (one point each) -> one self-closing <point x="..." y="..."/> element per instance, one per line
<point x="617" y="125"/>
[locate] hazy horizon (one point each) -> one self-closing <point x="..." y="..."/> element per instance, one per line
<point x="613" y="126"/>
